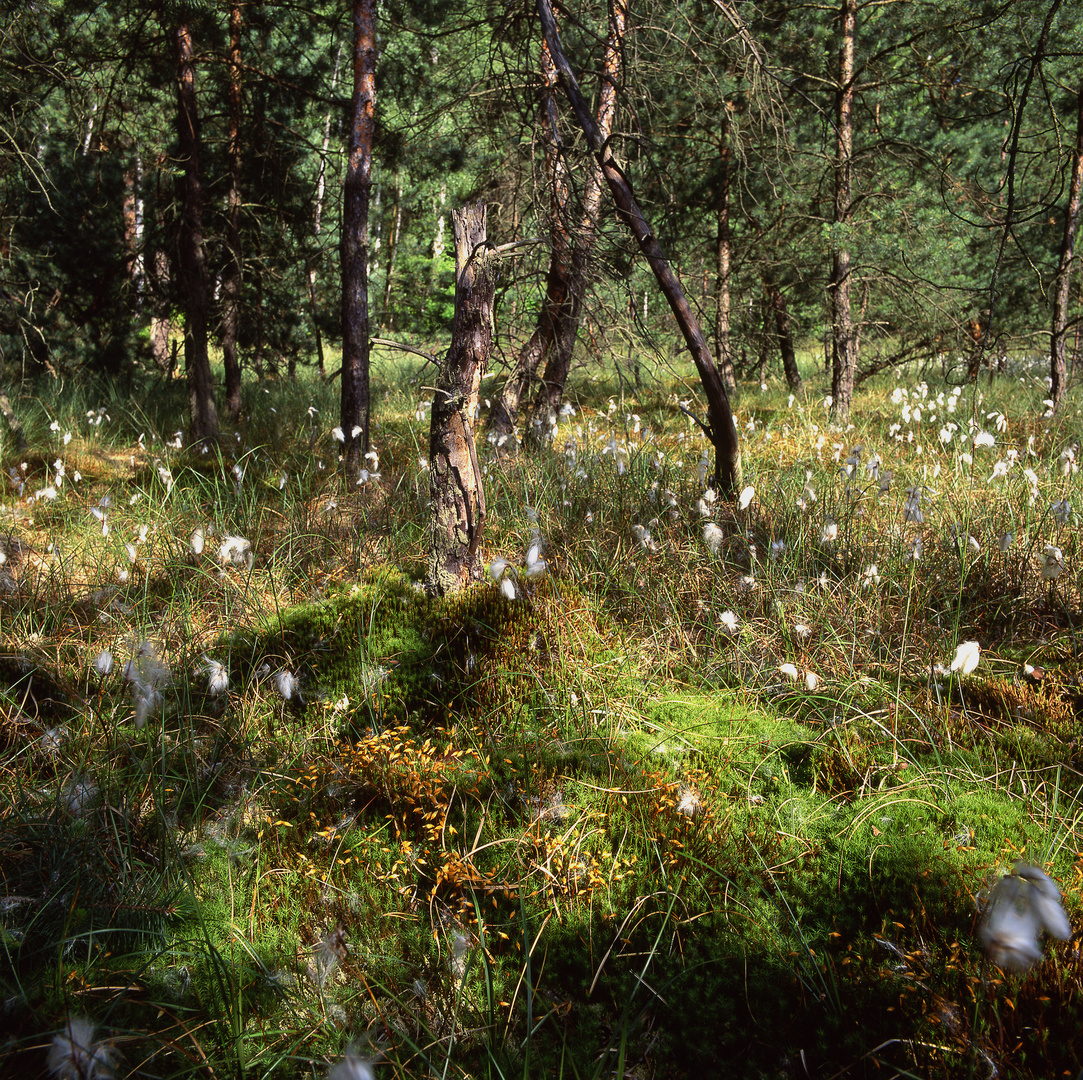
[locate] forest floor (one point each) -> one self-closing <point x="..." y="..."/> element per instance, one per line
<point x="706" y="797"/>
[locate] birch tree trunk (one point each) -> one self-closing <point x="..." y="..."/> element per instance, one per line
<point x="317" y="219"/>
<point x="1063" y="286"/>
<point x="843" y="361"/>
<point x="724" y="358"/>
<point x="719" y="427"/>
<point x="203" y="420"/>
<point x="457" y="515"/>
<point x="356" y="191"/>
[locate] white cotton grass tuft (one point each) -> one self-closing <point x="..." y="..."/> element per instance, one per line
<point x="729" y="621"/>
<point x="148" y="675"/>
<point x="1052" y="563"/>
<point x="642" y="536"/>
<point x="235" y="551"/>
<point x="1022" y="906"/>
<point x="351" y="1067"/>
<point x="744" y="500"/>
<point x="966" y="657"/>
<point x="504" y="574"/>
<point x="103" y="663"/>
<point x="535" y="566"/>
<point x="713" y="537"/>
<point x="790" y="671"/>
<point x="286" y="684"/>
<point x="74" y="1055"/>
<point x="217" y="676"/>
<point x="198" y="542"/>
<point x="689" y="804"/>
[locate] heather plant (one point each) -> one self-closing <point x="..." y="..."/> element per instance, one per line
<point x="683" y="783"/>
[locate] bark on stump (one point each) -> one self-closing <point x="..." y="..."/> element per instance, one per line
<point x="457" y="515"/>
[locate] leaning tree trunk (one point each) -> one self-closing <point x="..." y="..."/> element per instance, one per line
<point x="843" y="360"/>
<point x="203" y="423"/>
<point x="1062" y="289"/>
<point x="231" y="279"/>
<point x="457" y="516"/>
<point x="356" y="192"/>
<point x="720" y="427"/>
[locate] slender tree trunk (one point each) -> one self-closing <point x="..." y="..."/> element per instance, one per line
<point x="203" y="422"/>
<point x="776" y="303"/>
<point x="159" y="280"/>
<point x="720" y="426"/>
<point x="259" y="352"/>
<point x="231" y="281"/>
<point x="1063" y="287"/>
<point x="317" y="219"/>
<point x="320" y="366"/>
<point x="387" y="315"/>
<point x="355" y="227"/>
<point x="724" y="358"/>
<point x="844" y="360"/>
<point x="559" y="360"/>
<point x="455" y="483"/>
<point x="765" y="338"/>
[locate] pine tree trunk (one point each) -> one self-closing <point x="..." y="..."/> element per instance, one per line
<point x="559" y="360"/>
<point x="776" y="303"/>
<point x="387" y="315"/>
<point x="505" y="409"/>
<point x="357" y="189"/>
<point x="203" y="421"/>
<point x="844" y="360"/>
<point x="231" y="281"/>
<point x="720" y="426"/>
<point x="455" y="483"/>
<point x="1063" y="286"/>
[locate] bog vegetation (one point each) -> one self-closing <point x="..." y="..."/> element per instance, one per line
<point x="689" y="787"/>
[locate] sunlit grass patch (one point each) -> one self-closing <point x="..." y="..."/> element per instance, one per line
<point x="723" y="784"/>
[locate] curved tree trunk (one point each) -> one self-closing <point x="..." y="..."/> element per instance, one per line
<point x="719" y="427"/>
<point x="203" y="422"/>
<point x="356" y="191"/>
<point x="457" y="516"/>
